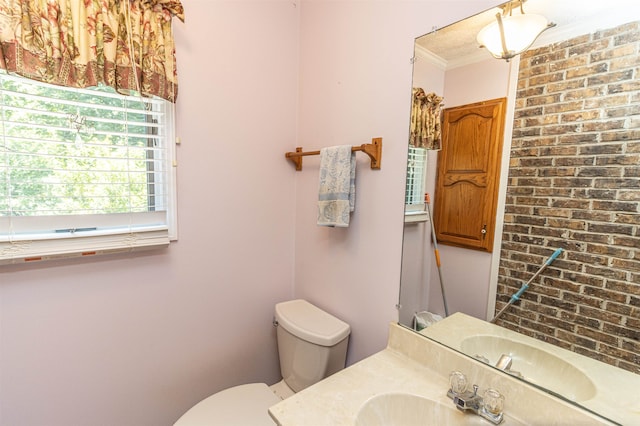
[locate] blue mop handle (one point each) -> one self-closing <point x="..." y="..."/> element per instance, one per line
<point x="525" y="286"/>
<point x="553" y="257"/>
<point x="518" y="293"/>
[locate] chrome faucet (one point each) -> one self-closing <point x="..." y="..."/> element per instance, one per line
<point x="467" y="400"/>
<point x="490" y="407"/>
<point x="504" y="363"/>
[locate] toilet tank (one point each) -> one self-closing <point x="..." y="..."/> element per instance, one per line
<point x="312" y="344"/>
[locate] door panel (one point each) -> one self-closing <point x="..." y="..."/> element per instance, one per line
<point x="468" y="171"/>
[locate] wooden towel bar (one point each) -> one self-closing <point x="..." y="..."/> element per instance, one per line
<point x="373" y="150"/>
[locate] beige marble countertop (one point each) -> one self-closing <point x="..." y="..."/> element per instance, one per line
<point x="415" y="365"/>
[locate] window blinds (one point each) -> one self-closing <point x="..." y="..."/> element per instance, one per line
<point x="82" y="164"/>
<point x="416" y="168"/>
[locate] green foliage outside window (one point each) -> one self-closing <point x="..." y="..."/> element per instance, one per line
<point x="53" y="165"/>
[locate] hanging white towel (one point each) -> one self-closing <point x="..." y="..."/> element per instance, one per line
<point x="337" y="189"/>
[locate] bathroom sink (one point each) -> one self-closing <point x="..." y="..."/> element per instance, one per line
<point x="404" y="409"/>
<point x="535" y="365"/>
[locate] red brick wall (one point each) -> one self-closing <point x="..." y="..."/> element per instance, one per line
<point x="574" y="182"/>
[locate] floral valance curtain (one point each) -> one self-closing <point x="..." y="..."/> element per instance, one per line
<point x="425" y="120"/>
<point x="125" y="44"/>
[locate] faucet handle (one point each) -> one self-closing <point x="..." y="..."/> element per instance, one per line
<point x="458" y="382"/>
<point x="493" y="405"/>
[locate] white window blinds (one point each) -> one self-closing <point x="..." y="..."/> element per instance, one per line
<point x="415" y="209"/>
<point x="82" y="171"/>
<point x="416" y="171"/>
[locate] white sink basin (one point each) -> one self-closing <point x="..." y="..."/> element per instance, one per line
<point x="403" y="409"/>
<point x="536" y="366"/>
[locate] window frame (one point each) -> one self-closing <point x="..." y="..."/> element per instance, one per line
<point x="415" y="212"/>
<point x="22" y="239"/>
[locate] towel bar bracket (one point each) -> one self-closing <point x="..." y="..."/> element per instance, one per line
<point x="297" y="160"/>
<point x="373" y="150"/>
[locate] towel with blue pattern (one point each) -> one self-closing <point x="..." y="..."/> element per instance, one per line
<point x="337" y="189"/>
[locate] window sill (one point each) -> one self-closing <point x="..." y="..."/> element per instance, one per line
<point x="417" y="216"/>
<point x="26" y="251"/>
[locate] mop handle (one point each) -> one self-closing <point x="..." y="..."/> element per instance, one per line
<point x="436" y="252"/>
<point x="524" y="287"/>
<point x="554" y="256"/>
<point x="517" y="294"/>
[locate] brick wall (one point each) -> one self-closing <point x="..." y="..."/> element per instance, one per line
<point x="574" y="182"/>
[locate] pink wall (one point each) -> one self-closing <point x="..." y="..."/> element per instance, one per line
<point x="137" y="340"/>
<point x="355" y="84"/>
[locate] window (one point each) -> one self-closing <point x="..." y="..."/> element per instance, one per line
<point x="83" y="171"/>
<point x="415" y="186"/>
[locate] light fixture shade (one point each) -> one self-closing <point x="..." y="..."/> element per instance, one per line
<point x="520" y="31"/>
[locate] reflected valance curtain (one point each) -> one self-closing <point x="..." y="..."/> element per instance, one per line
<point x="425" y="120"/>
<point x="125" y="44"/>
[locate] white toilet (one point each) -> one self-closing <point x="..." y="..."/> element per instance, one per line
<point x="312" y="345"/>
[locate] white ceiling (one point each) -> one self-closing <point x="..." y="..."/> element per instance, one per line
<point x="456" y="45"/>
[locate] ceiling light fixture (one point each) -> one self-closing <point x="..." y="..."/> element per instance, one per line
<point x="512" y="34"/>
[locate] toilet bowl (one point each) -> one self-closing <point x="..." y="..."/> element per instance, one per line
<point x="312" y="345"/>
<point x="239" y="405"/>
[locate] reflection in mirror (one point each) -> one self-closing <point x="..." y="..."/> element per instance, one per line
<point x="568" y="178"/>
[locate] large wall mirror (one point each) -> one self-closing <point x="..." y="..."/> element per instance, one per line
<point x="567" y="176"/>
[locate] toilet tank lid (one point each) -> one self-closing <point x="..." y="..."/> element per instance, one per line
<point x="310" y="323"/>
